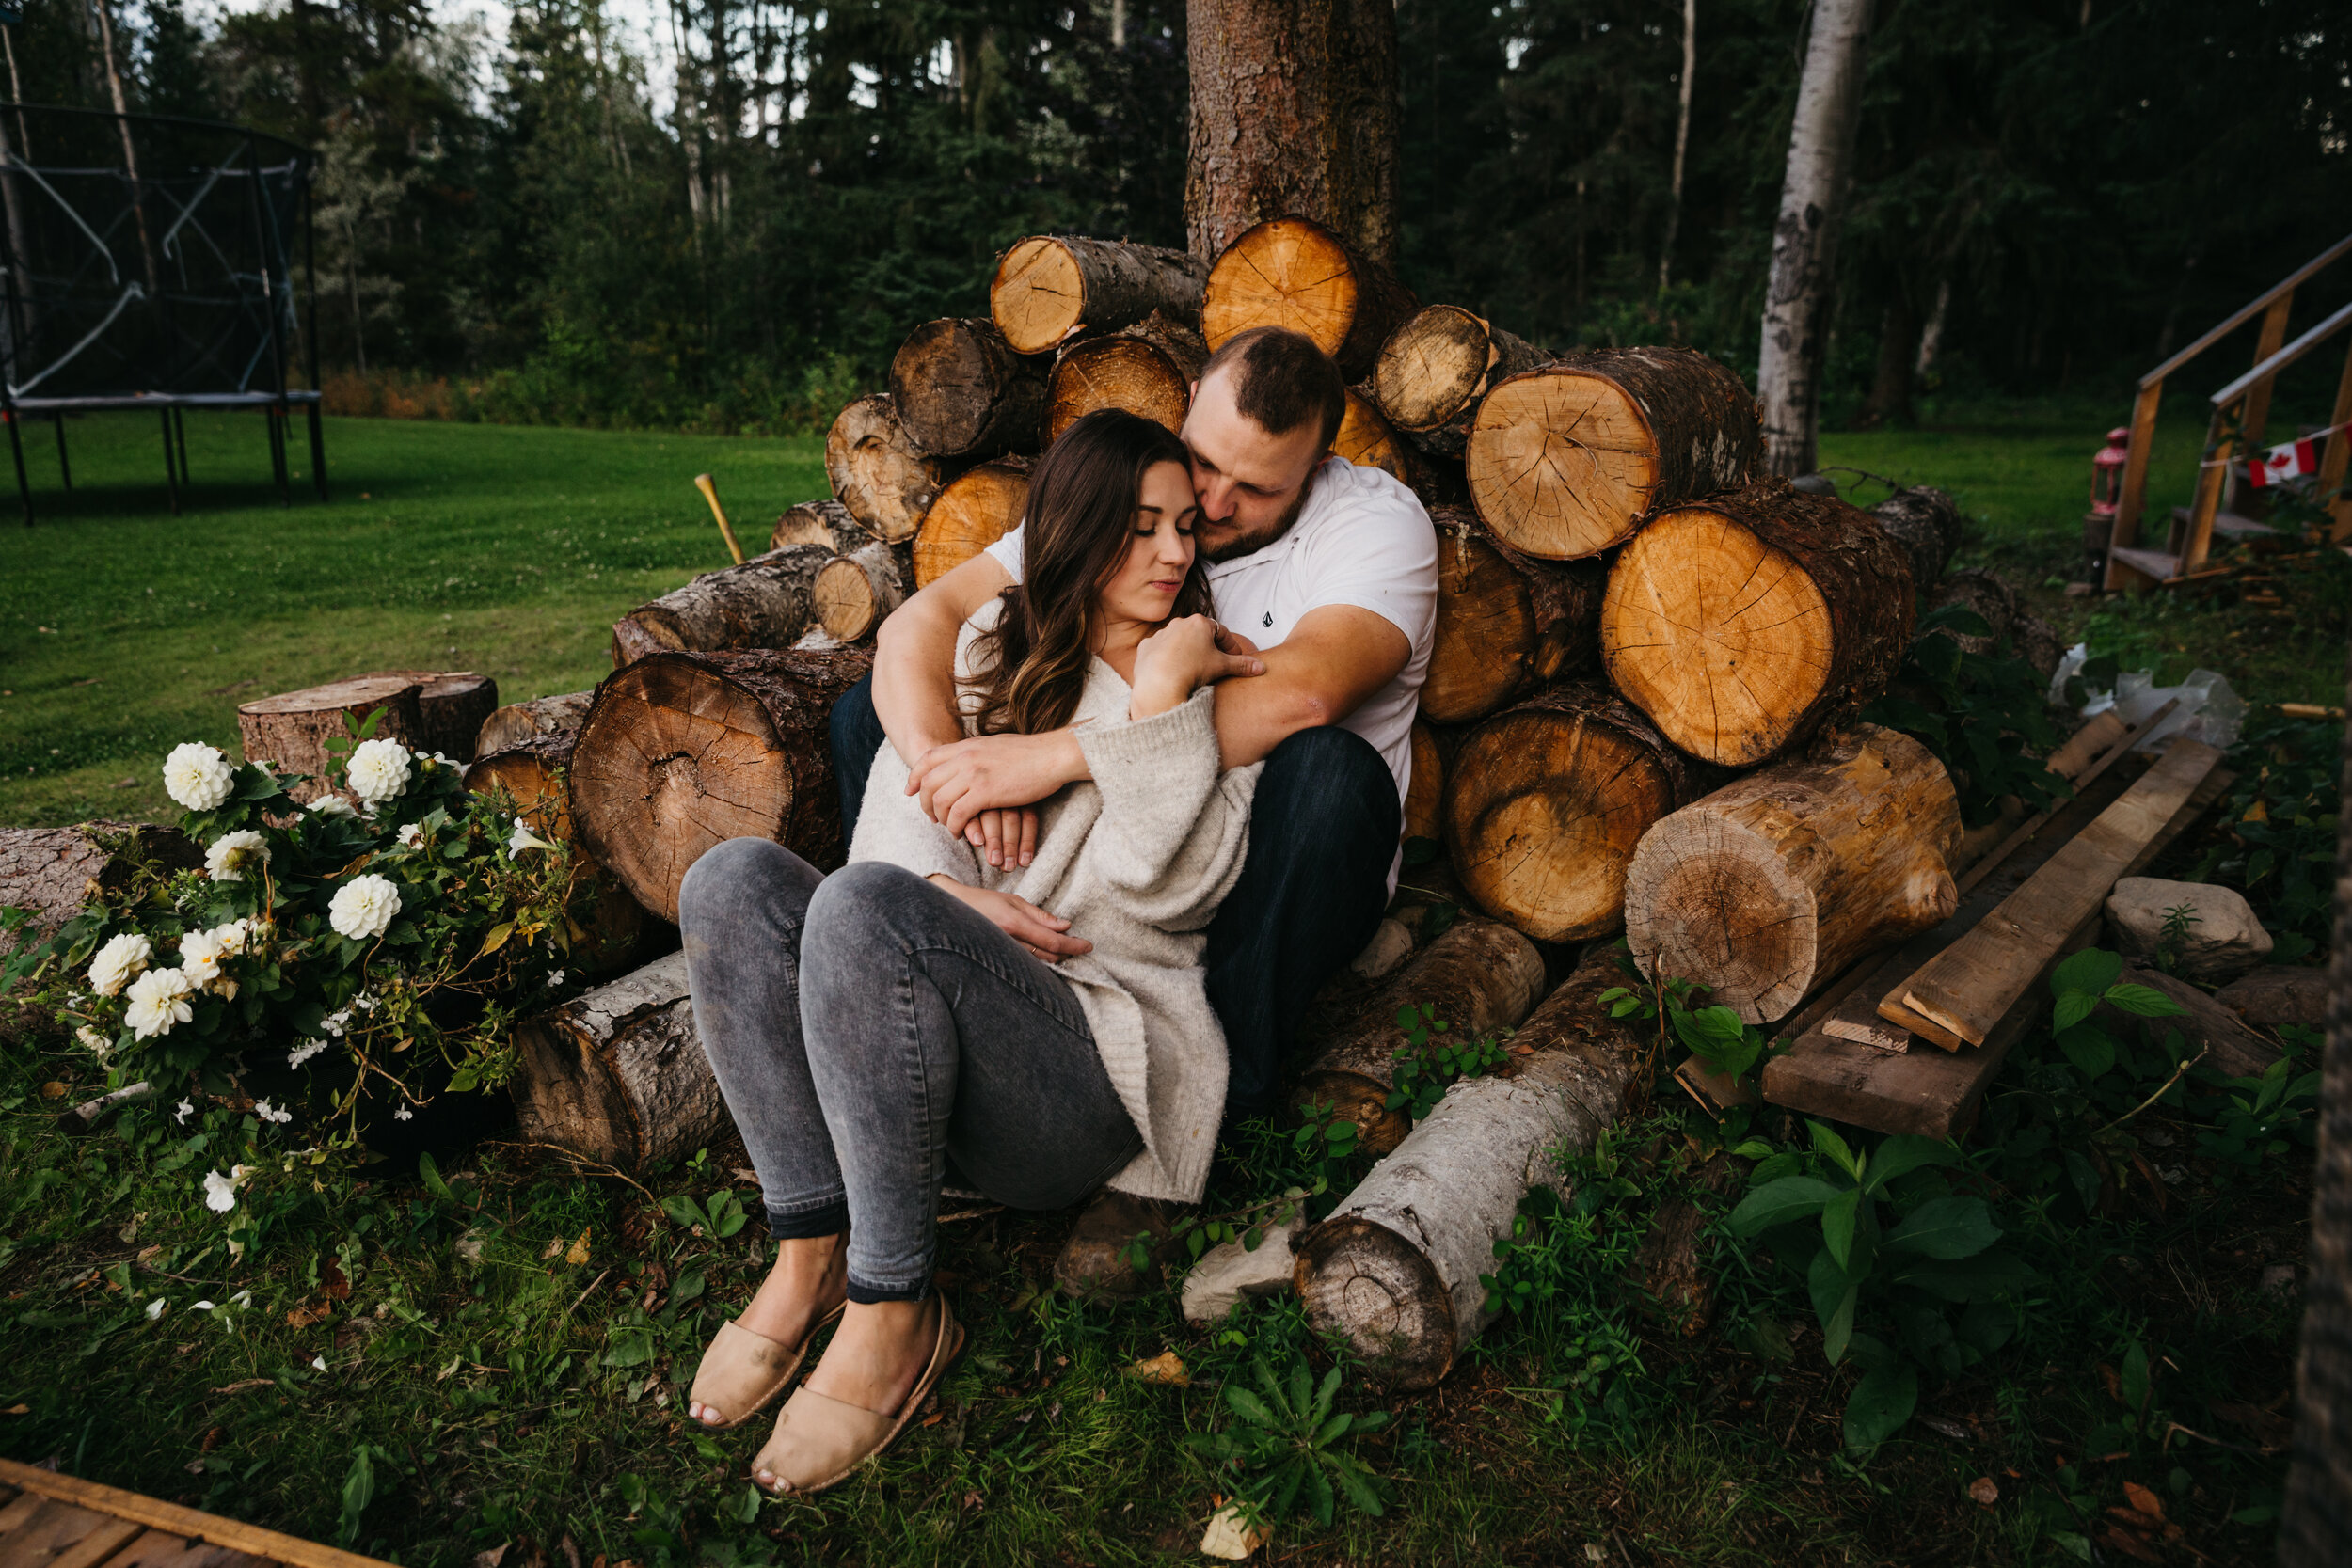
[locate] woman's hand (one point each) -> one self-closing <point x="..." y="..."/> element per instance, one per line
<point x="1182" y="656"/>
<point x="1032" y="927"/>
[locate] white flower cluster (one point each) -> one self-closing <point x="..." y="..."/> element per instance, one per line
<point x="333" y="1023"/>
<point x="198" y="776"/>
<point x="159" y="1002"/>
<point x="304" y="1052"/>
<point x="362" y="909"/>
<point x="379" y="770"/>
<point x="99" y="1046"/>
<point x="125" y="954"/>
<point x="232" y="854"/>
<point x="272" y="1113"/>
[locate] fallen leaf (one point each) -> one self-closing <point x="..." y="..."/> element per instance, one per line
<point x="243" y="1386"/>
<point x="212" y="1439"/>
<point x="555" y="1249"/>
<point x="2115" y="1383"/>
<point x="1984" y="1490"/>
<point x="1165" y="1367"/>
<point x="1231" y="1536"/>
<point x="303" y="1317"/>
<point x="333" y="1286"/>
<point x="18" y="1409"/>
<point x="579" y="1250"/>
<point x="492" y="1558"/>
<point x="2129" y="1544"/>
<point x="2144" y="1500"/>
<point x="53" y="1090"/>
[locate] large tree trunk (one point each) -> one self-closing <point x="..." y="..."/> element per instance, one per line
<point x="520" y="721"/>
<point x="1294" y="110"/>
<point x="763" y="603"/>
<point x="1927" y="523"/>
<point x="827" y="524"/>
<point x="878" y="471"/>
<point x="1394" y="1270"/>
<point x="972" y="514"/>
<point x="1146" y="369"/>
<point x="854" y="591"/>
<point x="1294" y="272"/>
<point x="1546" y="803"/>
<point x="1433" y="370"/>
<point x="453" y="705"/>
<point x="1505" y="623"/>
<point x="1785" y="877"/>
<point x="51" y="872"/>
<point x="618" y="1075"/>
<point x="1050" y="286"/>
<point x="1478" y="977"/>
<point x="961" y="391"/>
<point x="1567" y="459"/>
<point x="1743" y="623"/>
<point x="682" y="751"/>
<point x="1798" y="297"/>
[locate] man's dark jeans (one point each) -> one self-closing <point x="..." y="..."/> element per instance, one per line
<point x="1323" y="831"/>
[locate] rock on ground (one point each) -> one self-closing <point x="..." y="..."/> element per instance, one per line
<point x="1226" y="1273"/>
<point x="2224" y="941"/>
<point x="1389" y="946"/>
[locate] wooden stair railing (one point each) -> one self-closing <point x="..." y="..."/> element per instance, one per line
<point x="2131" y="566"/>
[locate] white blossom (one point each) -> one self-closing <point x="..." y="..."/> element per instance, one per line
<point x="220" y="1190"/>
<point x="198" y="776"/>
<point x="125" y="954"/>
<point x="401" y="1112"/>
<point x="155" y="1309"/>
<point x="199" y="956"/>
<point x="555" y="979"/>
<point x="525" y="839"/>
<point x="233" y="935"/>
<point x="231" y="854"/>
<point x="333" y="1023"/>
<point x="304" y="1052"/>
<point x="363" y="907"/>
<point x="269" y="1113"/>
<point x="379" y="770"/>
<point x="180" y="1112"/>
<point x="201" y="1307"/>
<point x="365" y="1003"/>
<point x="410" y="837"/>
<point x="99" y="1046"/>
<point x="242" y="1299"/>
<point x="159" y="1002"/>
<point x="318" y="1363"/>
<point x="332" y="805"/>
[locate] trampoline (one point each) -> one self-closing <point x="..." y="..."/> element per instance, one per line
<point x="148" y="264"/>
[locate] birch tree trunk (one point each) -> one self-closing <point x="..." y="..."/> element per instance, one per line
<point x="1799" y="298"/>
<point x="1682" y="141"/>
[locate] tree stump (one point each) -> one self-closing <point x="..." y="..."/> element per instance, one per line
<point x="1566" y="460"/>
<point x="520" y="721"/>
<point x="961" y="391"/>
<point x="878" y="471"/>
<point x="972" y="514"/>
<point x="1424" y="816"/>
<point x="618" y="1075"/>
<point x="1393" y="1272"/>
<point x="1546" y="802"/>
<point x="453" y="705"/>
<point x="1743" y="623"/>
<point x="682" y="751"/>
<point x="1505" y="623"/>
<point x="1292" y="272"/>
<point x="51" y="872"/>
<point x="1368" y="440"/>
<point x="1148" y="369"/>
<point x="1784" y="877"/>
<point x="1050" y="286"/>
<point x="1927" y="523"/>
<point x="1478" y="977"/>
<point x="826" y="524"/>
<point x="764" y="602"/>
<point x="1433" y="370"/>
<point x="293" y="730"/>
<point x="854" y="591"/>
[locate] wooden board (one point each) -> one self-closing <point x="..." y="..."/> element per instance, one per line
<point x="48" y="1520"/>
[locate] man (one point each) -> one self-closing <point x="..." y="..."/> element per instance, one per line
<point x="1327" y="574"/>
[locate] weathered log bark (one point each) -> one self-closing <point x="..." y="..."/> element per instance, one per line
<point x="1395" y="1270"/>
<point x="1433" y="370"/>
<point x="453" y="705"/>
<point x="1368" y="440"/>
<point x="961" y="391"/>
<point x="1293" y="110"/>
<point x="1566" y="460"/>
<point x="972" y="514"/>
<point x="764" y="602"/>
<point x="1478" y="977"/>
<point x="1294" y="272"/>
<point x="684" y="749"/>
<point x="1788" y="874"/>
<point x="1505" y="623"/>
<point x="1927" y="523"/>
<point x="2205" y="1025"/>
<point x="2271" y="996"/>
<point x="618" y="1075"/>
<point x="520" y="721"/>
<point x="1546" y="802"/>
<point x="1147" y="368"/>
<point x="827" y="524"/>
<point x="878" y="471"/>
<point x="854" y="591"/>
<point x="1986" y="591"/>
<point x="532" y="774"/>
<point x="1743" y="623"/>
<point x="1425" y="797"/>
<point x="1050" y="286"/>
<point x="50" y="872"/>
<point x="293" y="730"/>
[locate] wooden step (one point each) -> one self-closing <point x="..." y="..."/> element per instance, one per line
<point x="49" y="1520"/>
<point x="2230" y="525"/>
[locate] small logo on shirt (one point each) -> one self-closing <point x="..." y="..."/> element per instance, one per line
<point x="1269" y="618"/>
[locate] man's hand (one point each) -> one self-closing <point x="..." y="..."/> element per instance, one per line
<point x="1004" y="837"/>
<point x="958" y="781"/>
<point x="1032" y="927"/>
<point x="1179" y="659"/>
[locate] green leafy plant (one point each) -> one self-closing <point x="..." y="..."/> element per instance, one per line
<point x="1985" y="716"/>
<point x="2279" y="841"/>
<point x="721" y="1218"/>
<point x="2079" y="984"/>
<point x="2173" y="939"/>
<point x="2263" y="1117"/>
<point x="1717" y="1035"/>
<point x="1284" y="1446"/>
<point x="1315" y="1161"/>
<point x="1425" y="1071"/>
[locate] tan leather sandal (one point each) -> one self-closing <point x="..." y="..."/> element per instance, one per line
<point x="818" y="1441"/>
<point x="742" y="1372"/>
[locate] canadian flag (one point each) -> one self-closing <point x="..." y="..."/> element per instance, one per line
<point x="2287" y="461"/>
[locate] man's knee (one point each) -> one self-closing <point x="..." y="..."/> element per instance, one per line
<point x="1330" y="783"/>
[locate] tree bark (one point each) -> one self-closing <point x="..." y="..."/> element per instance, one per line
<point x="1435" y="368"/>
<point x="827" y="524"/>
<point x="1682" y="141"/>
<point x="854" y="591"/>
<point x="1927" y="523"/>
<point x="1294" y="110"/>
<point x="1425" y="797"/>
<point x="1889" y="400"/>
<point x="618" y="1075"/>
<point x="1798" y="298"/>
<point x="961" y="391"/>
<point x="1478" y="977"/>
<point x="1565" y="461"/>
<point x="1505" y="623"/>
<point x="51" y="872"/>
<point x="1294" y="272"/>
<point x="520" y="721"/>
<point x="764" y="602"/>
<point x="684" y="749"/>
<point x="972" y="514"/>
<point x="1049" y="287"/>
<point x="1744" y="624"/>
<point x="1785" y="877"/>
<point x="1546" y="803"/>
<point x="454" y="705"/>
<point x="292" y="731"/>
<point x="878" y="471"/>
<point x="1394" y="1270"/>
<point x="1146" y="369"/>
<point x="1986" y="591"/>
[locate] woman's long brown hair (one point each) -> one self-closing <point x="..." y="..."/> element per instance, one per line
<point x="1031" y="667"/>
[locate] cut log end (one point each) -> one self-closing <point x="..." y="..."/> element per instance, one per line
<point x="1049" y="287"/>
<point x="853" y="593"/>
<point x="1117" y="372"/>
<point x="1368" y="440"/>
<point x="878" y="471"/>
<point x="1366" y="1283"/>
<point x="972" y="514"/>
<point x="1432" y="366"/>
<point x="961" y="391"/>
<point x="826" y="523"/>
<point x="1037" y="296"/>
<point x="517" y="722"/>
<point x="1295" y="274"/>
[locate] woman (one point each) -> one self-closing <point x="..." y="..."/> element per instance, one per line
<point x="865" y="1026"/>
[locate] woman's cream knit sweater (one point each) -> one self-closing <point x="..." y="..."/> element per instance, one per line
<point x="1136" y="861"/>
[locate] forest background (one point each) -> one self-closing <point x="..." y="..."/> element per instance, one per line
<point x="536" y="213"/>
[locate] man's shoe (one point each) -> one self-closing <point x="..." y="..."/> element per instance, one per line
<point x="1098" y="1262"/>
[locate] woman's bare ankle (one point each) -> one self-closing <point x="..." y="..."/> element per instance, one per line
<point x="878" y="1354"/>
<point x="809" y="1278"/>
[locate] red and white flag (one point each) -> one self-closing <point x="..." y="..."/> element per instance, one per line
<point x="2281" y="463"/>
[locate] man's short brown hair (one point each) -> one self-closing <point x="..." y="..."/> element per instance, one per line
<point x="1281" y="381"/>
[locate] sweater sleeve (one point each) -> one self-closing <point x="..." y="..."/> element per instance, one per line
<point x="1174" y="830"/>
<point x="891" y="827"/>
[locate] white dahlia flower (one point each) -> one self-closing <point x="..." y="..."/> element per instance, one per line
<point x="124" y="955"/>
<point x="234" y="854"/>
<point x="410" y="837"/>
<point x="199" y="956"/>
<point x="159" y="1002"/>
<point x="332" y="805"/>
<point x="363" y="907"/>
<point x="379" y="770"/>
<point x="198" y="776"/>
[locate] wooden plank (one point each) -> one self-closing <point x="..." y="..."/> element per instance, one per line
<point x="2220" y="447"/>
<point x="99" y="1545"/>
<point x="19" y="1509"/>
<point x="2124" y="534"/>
<point x="2332" y="456"/>
<point x="2272" y="337"/>
<point x="2136" y="569"/>
<point x="171" y="1519"/>
<point x="164" y="1549"/>
<point x="1967" y="987"/>
<point x="57" y="1534"/>
<point x="2246" y="312"/>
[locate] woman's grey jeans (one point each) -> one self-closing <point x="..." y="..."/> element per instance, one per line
<point x="866" y="1026"/>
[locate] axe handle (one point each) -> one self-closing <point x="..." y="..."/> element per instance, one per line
<point x="710" y="493"/>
